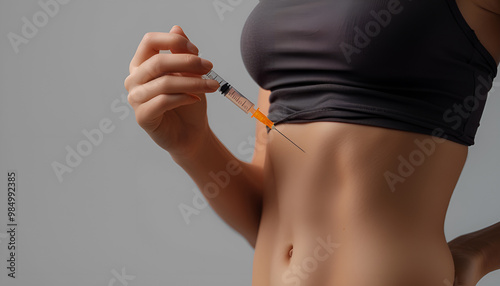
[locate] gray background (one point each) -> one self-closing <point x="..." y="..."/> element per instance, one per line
<point x="119" y="208"/>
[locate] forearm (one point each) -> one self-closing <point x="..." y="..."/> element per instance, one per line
<point x="233" y="188"/>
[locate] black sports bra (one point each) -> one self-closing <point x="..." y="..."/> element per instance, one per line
<point x="412" y="65"/>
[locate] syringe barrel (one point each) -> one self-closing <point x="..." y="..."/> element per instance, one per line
<point x="230" y="92"/>
<point x="238" y="99"/>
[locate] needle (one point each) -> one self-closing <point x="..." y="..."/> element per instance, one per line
<point x="288" y="139"/>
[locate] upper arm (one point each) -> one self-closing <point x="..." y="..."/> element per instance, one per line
<point x="260" y="129"/>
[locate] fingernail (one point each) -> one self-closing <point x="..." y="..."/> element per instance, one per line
<point x="192" y="48"/>
<point x="195" y="97"/>
<point x="207" y="64"/>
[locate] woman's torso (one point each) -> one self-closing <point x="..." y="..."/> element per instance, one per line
<point x="364" y="206"/>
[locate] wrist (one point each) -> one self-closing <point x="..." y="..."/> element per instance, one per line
<point x="490" y="251"/>
<point x="468" y="258"/>
<point x="201" y="145"/>
<point x="483" y="247"/>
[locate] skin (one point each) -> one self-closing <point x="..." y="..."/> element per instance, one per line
<point x="287" y="204"/>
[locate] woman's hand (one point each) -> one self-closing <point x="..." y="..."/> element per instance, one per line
<point x="468" y="259"/>
<point x="167" y="91"/>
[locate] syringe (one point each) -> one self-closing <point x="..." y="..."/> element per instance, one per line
<point x="242" y="102"/>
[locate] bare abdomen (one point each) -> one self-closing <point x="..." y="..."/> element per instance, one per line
<point x="347" y="221"/>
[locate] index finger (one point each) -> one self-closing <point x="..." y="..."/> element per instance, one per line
<point x="153" y="42"/>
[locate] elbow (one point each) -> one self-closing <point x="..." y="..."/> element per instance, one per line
<point x="253" y="231"/>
